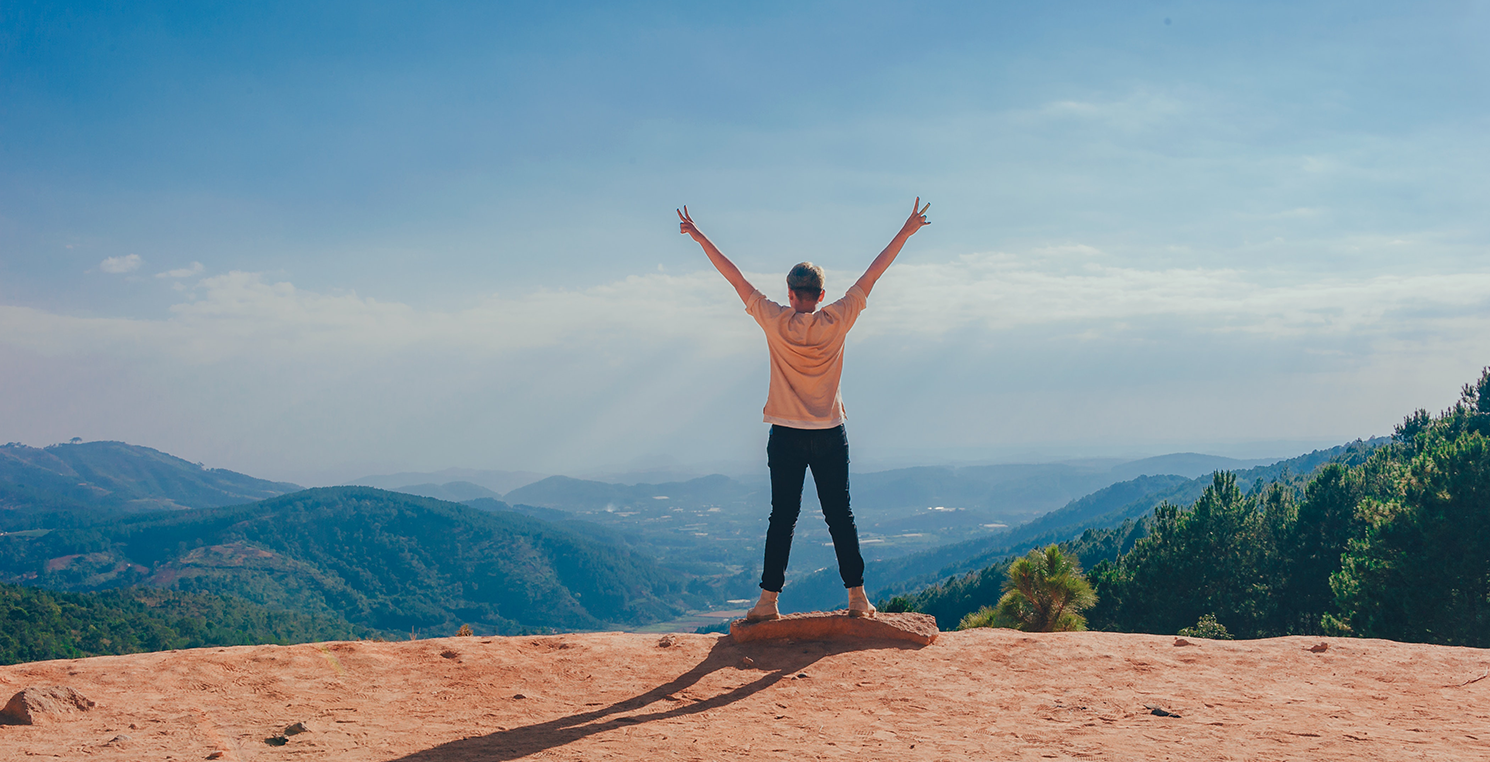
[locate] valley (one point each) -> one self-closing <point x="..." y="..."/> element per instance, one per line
<point x="551" y="554"/>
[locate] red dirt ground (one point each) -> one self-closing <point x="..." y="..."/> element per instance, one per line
<point x="985" y="694"/>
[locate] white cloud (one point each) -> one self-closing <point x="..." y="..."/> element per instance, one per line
<point x="1002" y="292"/>
<point x="117" y="265"/>
<point x="182" y="272"/>
<point x="1070" y="289"/>
<point x="948" y="351"/>
<point x="243" y="315"/>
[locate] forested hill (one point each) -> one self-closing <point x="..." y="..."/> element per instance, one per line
<point x="1094" y="535"/>
<point x="1390" y="539"/>
<point x="1111" y="507"/>
<point x="1105" y="508"/>
<point x="119" y="476"/>
<point x="384" y="560"/>
<point x="1395" y="545"/>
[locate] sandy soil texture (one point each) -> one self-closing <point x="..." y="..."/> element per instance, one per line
<point x="988" y="694"/>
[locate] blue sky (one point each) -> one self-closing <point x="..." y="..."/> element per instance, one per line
<point x="318" y="242"/>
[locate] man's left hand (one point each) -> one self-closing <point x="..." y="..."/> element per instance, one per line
<point x="686" y="226"/>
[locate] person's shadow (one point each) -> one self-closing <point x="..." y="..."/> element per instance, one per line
<point x="778" y="661"/>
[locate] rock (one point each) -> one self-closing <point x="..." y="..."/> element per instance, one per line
<point x="838" y="625"/>
<point x="118" y="740"/>
<point x="1319" y="649"/>
<point x="276" y="740"/>
<point x="747" y="663"/>
<point x="215" y="755"/>
<point x="1182" y="642"/>
<point x="296" y="729"/>
<point x="1159" y="711"/>
<point x="667" y="641"/>
<point x="35" y="706"/>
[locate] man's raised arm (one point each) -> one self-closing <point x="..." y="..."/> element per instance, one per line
<point x="881" y="263"/>
<point x="721" y="262"/>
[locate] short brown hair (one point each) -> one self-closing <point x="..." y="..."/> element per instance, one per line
<point x="806" y="279"/>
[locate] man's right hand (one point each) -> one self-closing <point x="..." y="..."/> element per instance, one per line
<point x="721" y="262"/>
<point x="917" y="220"/>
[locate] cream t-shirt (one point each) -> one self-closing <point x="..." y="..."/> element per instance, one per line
<point x="806" y="358"/>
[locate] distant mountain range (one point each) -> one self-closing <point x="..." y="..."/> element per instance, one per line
<point x="497" y="483"/>
<point x="1015" y="493"/>
<point x="455" y="492"/>
<point x="518" y="552"/>
<point x="1016" y="488"/>
<point x="119" y="476"/>
<point x="714" y="525"/>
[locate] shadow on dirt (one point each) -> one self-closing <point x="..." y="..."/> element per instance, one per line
<point x="778" y="661"/>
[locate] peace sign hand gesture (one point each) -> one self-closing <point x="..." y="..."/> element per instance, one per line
<point x="686" y="226"/>
<point x="721" y="262"/>
<point x="917" y="220"/>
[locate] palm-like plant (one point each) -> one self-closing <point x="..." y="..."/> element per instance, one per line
<point x="1045" y="592"/>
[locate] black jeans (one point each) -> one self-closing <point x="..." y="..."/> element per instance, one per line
<point x="790" y="452"/>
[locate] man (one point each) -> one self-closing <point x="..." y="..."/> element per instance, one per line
<point x="805" y="408"/>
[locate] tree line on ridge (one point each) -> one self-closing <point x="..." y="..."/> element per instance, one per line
<point x="1388" y="542"/>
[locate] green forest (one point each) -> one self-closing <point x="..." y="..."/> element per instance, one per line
<point x="1383" y="542"/>
<point x="386" y="561"/>
<point x="44" y="624"/>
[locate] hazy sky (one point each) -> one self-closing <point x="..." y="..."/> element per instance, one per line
<point x="315" y="240"/>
